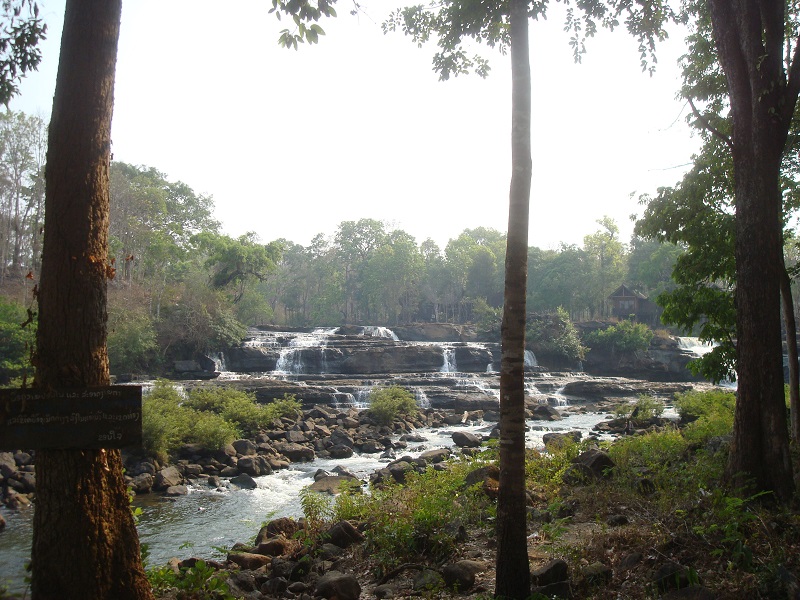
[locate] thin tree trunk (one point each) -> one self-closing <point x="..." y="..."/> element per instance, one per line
<point x="85" y="545"/>
<point x="791" y="350"/>
<point x="513" y="574"/>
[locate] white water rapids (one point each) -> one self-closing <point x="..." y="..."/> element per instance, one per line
<point x="193" y="525"/>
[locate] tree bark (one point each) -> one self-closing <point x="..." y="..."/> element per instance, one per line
<point x="513" y="570"/>
<point x="85" y="544"/>
<point x="749" y="36"/>
<point x="790" y="325"/>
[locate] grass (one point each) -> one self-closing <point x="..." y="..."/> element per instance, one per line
<point x="732" y="542"/>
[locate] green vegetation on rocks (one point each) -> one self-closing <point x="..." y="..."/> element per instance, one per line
<point x="624" y="337"/>
<point x="210" y="417"/>
<point x="388" y="403"/>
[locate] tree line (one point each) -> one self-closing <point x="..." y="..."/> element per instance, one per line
<point x="180" y="286"/>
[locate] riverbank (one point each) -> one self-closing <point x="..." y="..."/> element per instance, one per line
<point x="643" y="517"/>
<point x="204" y="503"/>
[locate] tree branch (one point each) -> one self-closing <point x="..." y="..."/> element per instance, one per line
<point x="705" y="122"/>
<point x="792" y="85"/>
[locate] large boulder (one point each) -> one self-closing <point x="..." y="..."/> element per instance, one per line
<point x="176" y="490"/>
<point x="436" y="456"/>
<point x="8" y="466"/>
<point x="460" y="576"/>
<point x="142" y="483"/>
<point x="331" y="484"/>
<point x="277" y="546"/>
<point x="245" y="447"/>
<point x="340" y="451"/>
<point x="244" y="481"/>
<point x="167" y="477"/>
<point x="465" y="439"/>
<point x="344" y="534"/>
<point x="295" y="452"/>
<point x="285" y="526"/>
<point x="543" y="412"/>
<point x="338" y="585"/>
<point x="249" y="561"/>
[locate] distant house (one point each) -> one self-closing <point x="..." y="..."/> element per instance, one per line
<point x="626" y="302"/>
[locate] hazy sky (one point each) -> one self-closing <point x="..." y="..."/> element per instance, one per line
<point x="290" y="143"/>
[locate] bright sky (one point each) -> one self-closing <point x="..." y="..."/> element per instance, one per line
<point x="291" y="143"/>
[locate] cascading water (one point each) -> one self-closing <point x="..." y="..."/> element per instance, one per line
<point x="695" y="346"/>
<point x="558" y="398"/>
<point x="361" y="397"/>
<point x="448" y="360"/>
<point x="381" y="332"/>
<point x="530" y="359"/>
<point x="422" y="398"/>
<point x="290" y="359"/>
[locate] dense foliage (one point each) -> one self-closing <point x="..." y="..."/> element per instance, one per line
<point x="625" y="337"/>
<point x="554" y="337"/>
<point x="388" y="403"/>
<point x="182" y="288"/>
<point x="16" y="341"/>
<point x="210" y="417"/>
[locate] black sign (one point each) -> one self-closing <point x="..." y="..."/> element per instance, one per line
<point x="108" y="417"/>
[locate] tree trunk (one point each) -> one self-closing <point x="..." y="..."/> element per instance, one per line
<point x="85" y="544"/>
<point x="790" y="325"/>
<point x="749" y="35"/>
<point x="513" y="570"/>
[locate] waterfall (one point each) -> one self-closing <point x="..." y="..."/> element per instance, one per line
<point x="448" y="360"/>
<point x="381" y="332"/>
<point x="290" y="359"/>
<point x="219" y="362"/>
<point x="695" y="346"/>
<point x="361" y="399"/>
<point x="531" y="389"/>
<point x="530" y="359"/>
<point x="558" y="398"/>
<point x="422" y="398"/>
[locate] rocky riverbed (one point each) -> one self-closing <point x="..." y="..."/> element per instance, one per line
<point x="343" y="443"/>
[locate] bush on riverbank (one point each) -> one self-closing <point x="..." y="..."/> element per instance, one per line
<point x="388" y="403"/>
<point x="211" y="418"/>
<point x="624" y="337"/>
<point x="663" y="502"/>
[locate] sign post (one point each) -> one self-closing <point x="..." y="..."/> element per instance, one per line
<point x="106" y="417"/>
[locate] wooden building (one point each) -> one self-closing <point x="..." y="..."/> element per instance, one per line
<point x="626" y="303"/>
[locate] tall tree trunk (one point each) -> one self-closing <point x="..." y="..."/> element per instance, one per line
<point x="790" y="325"/>
<point x="749" y="35"/>
<point x="85" y="544"/>
<point x="513" y="570"/>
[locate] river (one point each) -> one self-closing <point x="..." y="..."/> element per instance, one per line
<point x="205" y="520"/>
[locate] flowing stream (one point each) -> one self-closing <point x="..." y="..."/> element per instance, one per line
<point x="206" y="520"/>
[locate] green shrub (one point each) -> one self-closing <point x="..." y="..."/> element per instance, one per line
<point x="16" y="342"/>
<point x="554" y="335"/>
<point x="240" y="408"/>
<point x="645" y="407"/>
<point x="132" y="344"/>
<point x="212" y="431"/>
<point x="416" y="519"/>
<point x="386" y="404"/>
<point x="288" y="406"/>
<point x="708" y="413"/>
<point x="166" y="424"/>
<point x="624" y="337"/>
